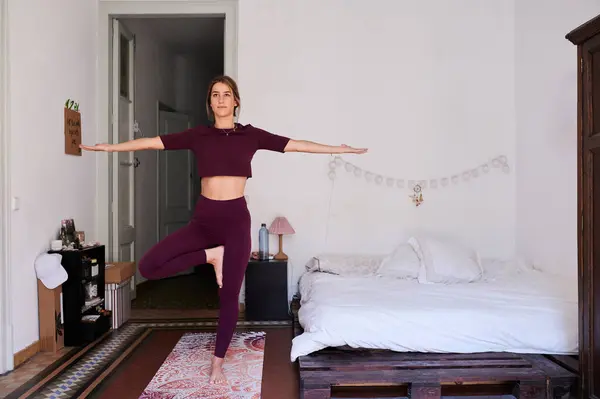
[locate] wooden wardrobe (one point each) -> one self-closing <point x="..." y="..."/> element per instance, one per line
<point x="587" y="39"/>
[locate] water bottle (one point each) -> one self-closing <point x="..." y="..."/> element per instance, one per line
<point x="263" y="242"/>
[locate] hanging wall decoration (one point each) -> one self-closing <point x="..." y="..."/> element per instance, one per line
<point x="417" y="197"/>
<point x="72" y="124"/>
<point x="415" y="184"/>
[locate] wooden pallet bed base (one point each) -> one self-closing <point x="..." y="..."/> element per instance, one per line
<point x="424" y="374"/>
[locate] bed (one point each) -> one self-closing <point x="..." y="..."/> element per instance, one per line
<point x="429" y="314"/>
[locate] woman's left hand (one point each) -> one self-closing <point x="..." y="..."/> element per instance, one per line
<point x="352" y="150"/>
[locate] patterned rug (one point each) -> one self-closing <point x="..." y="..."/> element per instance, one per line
<point x="185" y="372"/>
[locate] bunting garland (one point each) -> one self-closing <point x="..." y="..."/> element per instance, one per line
<point x="417" y="185"/>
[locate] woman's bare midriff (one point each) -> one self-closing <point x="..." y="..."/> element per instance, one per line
<point x="223" y="188"/>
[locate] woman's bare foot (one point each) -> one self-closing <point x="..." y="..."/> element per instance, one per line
<point x="216" y="375"/>
<point x="214" y="256"/>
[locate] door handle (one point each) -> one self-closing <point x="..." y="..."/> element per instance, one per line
<point x="135" y="164"/>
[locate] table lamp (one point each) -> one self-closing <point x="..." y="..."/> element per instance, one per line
<point x="281" y="226"/>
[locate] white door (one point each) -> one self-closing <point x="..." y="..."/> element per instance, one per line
<point x="123" y="163"/>
<point x="175" y="179"/>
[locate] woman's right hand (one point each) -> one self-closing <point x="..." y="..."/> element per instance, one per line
<point x="97" y="147"/>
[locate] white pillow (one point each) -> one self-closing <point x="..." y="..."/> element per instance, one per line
<point x="446" y="262"/>
<point x="345" y="264"/>
<point x="403" y="262"/>
<point x="494" y="268"/>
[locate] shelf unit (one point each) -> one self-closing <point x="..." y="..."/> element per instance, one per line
<point x="84" y="312"/>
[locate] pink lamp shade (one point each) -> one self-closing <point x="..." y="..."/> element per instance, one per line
<point x="281" y="226"/>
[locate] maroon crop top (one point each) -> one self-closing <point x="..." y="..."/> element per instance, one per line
<point x="223" y="152"/>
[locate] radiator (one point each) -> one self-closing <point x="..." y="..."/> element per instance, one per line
<point x="118" y="300"/>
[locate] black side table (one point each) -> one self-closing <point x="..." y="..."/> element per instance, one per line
<point x="266" y="290"/>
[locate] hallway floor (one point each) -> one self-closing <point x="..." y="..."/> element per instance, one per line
<point x="197" y="290"/>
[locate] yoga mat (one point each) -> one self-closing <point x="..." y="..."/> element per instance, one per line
<point x="186" y="371"/>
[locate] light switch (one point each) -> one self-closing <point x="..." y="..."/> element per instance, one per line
<point x="15" y="203"/>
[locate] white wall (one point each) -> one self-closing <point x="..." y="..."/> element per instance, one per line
<point x="52" y="58"/>
<point x="546" y="136"/>
<point x="6" y="347"/>
<point x="403" y="79"/>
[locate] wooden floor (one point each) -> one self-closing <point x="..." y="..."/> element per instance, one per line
<point x="130" y="376"/>
<point x="128" y="379"/>
<point x="280" y="376"/>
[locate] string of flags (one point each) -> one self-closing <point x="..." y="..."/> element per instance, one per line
<point x="418" y="185"/>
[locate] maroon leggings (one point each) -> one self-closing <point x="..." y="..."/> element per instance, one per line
<point x="214" y="223"/>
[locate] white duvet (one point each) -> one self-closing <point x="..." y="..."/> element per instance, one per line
<point x="531" y="312"/>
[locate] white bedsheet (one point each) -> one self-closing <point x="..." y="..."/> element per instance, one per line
<point x="531" y="312"/>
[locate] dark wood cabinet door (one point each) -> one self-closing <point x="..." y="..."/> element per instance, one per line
<point x="587" y="39"/>
<point x="590" y="209"/>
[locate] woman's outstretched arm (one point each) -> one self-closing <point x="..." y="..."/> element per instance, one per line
<point x="316" y="148"/>
<point x="145" y="143"/>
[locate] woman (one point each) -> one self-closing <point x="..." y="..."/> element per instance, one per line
<point x="219" y="232"/>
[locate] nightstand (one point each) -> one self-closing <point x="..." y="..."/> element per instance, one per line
<point x="266" y="290"/>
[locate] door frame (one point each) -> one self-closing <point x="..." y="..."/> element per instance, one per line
<point x="121" y="29"/>
<point x="6" y="333"/>
<point x="107" y="11"/>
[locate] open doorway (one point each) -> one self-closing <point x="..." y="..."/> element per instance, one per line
<point x="175" y="58"/>
<point x="173" y="52"/>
